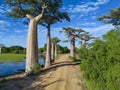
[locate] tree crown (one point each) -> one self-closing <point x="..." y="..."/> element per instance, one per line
<point x="113" y="17"/>
<point x="20" y="8"/>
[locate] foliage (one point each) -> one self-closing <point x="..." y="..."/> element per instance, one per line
<point x="85" y="36"/>
<point x="71" y="58"/>
<point x="13" y="49"/>
<point x="5" y="50"/>
<point x="60" y="49"/>
<point x="36" y="68"/>
<point x="53" y="14"/>
<point x="55" y="40"/>
<point x="34" y="7"/>
<point x="101" y="62"/>
<point x="71" y="32"/>
<point x="113" y="17"/>
<point x="16" y="49"/>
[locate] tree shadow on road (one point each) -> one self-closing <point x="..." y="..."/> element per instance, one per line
<point x="57" y="65"/>
<point x="26" y="83"/>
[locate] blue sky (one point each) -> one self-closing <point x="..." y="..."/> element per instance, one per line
<point x="83" y="14"/>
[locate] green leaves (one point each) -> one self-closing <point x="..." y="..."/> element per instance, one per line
<point x="55" y="40"/>
<point x="53" y="14"/>
<point x="101" y="62"/>
<point x="113" y="17"/>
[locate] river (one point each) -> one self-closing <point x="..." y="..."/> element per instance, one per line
<point x="10" y="68"/>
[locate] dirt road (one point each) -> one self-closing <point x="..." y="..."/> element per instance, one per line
<point x="66" y="76"/>
<point x="63" y="75"/>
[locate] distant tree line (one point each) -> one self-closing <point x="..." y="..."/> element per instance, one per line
<point x="13" y="49"/>
<point x="22" y="50"/>
<point x="60" y="49"/>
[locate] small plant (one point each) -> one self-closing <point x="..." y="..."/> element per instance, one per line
<point x="36" y="68"/>
<point x="75" y="60"/>
<point x="71" y="58"/>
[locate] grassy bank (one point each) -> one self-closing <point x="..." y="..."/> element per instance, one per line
<point x="11" y="57"/>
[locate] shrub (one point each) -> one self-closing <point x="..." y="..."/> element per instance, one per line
<point x="101" y="63"/>
<point x="36" y="69"/>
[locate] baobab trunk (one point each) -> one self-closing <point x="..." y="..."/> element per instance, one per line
<point x="32" y="47"/>
<point x="0" y="50"/>
<point x="48" y="50"/>
<point x="52" y="51"/>
<point x="72" y="47"/>
<point x="83" y="42"/>
<point x="55" y="50"/>
<point x="32" y="43"/>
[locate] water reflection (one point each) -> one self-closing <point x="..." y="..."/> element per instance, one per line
<point x="12" y="68"/>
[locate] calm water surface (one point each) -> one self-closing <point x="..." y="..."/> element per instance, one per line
<point x="13" y="68"/>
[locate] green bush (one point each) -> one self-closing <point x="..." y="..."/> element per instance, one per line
<point x="71" y="58"/>
<point x="101" y="63"/>
<point x="36" y="69"/>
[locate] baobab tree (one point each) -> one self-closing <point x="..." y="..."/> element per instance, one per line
<point x="86" y="36"/>
<point x="51" y="16"/>
<point x="113" y="17"/>
<point x="54" y="47"/>
<point x="57" y="40"/>
<point x="1" y="45"/>
<point x="33" y="10"/>
<point x="72" y="33"/>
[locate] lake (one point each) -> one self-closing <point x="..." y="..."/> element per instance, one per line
<point x="10" y="68"/>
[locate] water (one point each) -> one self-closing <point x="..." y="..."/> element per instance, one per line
<point x="13" y="68"/>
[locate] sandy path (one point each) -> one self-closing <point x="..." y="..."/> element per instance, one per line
<point x="63" y="75"/>
<point x="66" y="77"/>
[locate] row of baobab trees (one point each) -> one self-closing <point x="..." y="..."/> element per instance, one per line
<point x="72" y="35"/>
<point x="45" y="13"/>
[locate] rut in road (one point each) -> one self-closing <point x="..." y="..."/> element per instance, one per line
<point x="63" y="75"/>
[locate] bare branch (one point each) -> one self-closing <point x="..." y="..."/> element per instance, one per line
<point x="29" y="16"/>
<point x="40" y="15"/>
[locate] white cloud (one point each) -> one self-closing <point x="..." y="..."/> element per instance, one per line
<point x="3" y="10"/>
<point x="99" y="30"/>
<point x="11" y="40"/>
<point x="4" y="25"/>
<point x="93" y="17"/>
<point x="87" y="7"/>
<point x="19" y="31"/>
<point x="2" y="22"/>
<point x="88" y="24"/>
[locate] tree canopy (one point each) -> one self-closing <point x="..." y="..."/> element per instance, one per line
<point x="20" y="8"/>
<point x="71" y="31"/>
<point x="113" y="17"/>
<point x="55" y="40"/>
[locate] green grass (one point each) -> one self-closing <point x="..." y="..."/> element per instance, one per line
<point x="11" y="57"/>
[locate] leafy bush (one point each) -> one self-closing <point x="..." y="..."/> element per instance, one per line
<point x="36" y="68"/>
<point x="101" y="63"/>
<point x="71" y="58"/>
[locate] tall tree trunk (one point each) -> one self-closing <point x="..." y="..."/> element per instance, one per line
<point x="72" y="48"/>
<point x="83" y="42"/>
<point x="48" y="49"/>
<point x="52" y="51"/>
<point x="55" y="50"/>
<point x="0" y="50"/>
<point x="32" y="47"/>
<point x="32" y="43"/>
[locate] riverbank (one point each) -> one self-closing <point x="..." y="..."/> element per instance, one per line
<point x="11" y="57"/>
<point x="62" y="75"/>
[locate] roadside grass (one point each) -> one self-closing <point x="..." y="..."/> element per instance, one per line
<point x="11" y="57"/>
